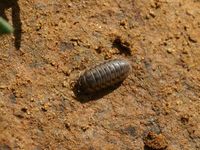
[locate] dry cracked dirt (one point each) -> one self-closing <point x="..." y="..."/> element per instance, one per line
<point x="156" y="108"/>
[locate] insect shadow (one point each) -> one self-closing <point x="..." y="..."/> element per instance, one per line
<point x="13" y="4"/>
<point x="86" y="97"/>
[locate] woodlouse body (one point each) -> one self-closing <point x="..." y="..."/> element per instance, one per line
<point x="103" y="75"/>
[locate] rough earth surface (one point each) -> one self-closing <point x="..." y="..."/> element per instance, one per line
<point x="156" y="107"/>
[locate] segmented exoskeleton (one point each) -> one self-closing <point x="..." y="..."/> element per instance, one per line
<point x="103" y="75"/>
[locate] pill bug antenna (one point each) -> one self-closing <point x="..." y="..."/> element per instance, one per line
<point x="5" y="27"/>
<point x="74" y="83"/>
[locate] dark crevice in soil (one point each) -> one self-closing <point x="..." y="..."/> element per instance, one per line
<point x="123" y="47"/>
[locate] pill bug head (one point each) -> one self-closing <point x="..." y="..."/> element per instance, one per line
<point x="81" y="85"/>
<point x="78" y="87"/>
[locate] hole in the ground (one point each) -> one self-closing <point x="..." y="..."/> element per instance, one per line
<point x="122" y="46"/>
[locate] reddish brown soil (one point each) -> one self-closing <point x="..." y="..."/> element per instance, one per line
<point x="55" y="40"/>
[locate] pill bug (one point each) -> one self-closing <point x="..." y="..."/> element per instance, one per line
<point x="103" y="75"/>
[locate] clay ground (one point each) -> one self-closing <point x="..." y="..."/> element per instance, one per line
<point x="156" y="107"/>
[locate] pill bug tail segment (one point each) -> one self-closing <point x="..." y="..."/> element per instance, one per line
<point x="103" y="75"/>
